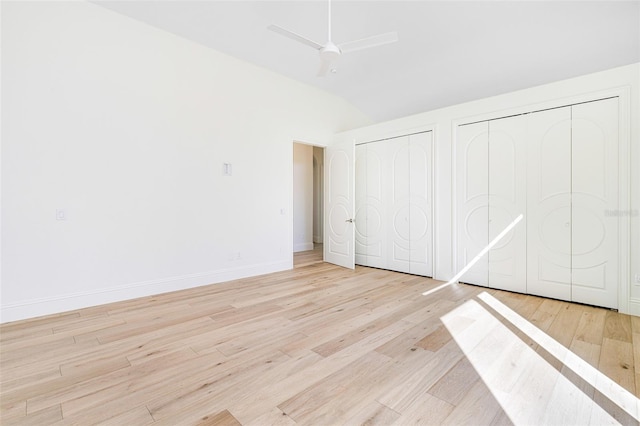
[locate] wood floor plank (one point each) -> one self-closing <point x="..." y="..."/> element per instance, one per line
<point x="616" y="361"/>
<point x="375" y="323"/>
<point x="47" y="415"/>
<point x="407" y="341"/>
<point x="288" y="388"/>
<point x="12" y="409"/>
<point x="437" y="365"/>
<point x="617" y="326"/>
<point x="546" y="313"/>
<point x="425" y="409"/>
<point x="340" y="394"/>
<point x="275" y="417"/>
<point x="591" y="354"/>
<point x="565" y="324"/>
<point x="315" y="345"/>
<point x="223" y="418"/>
<point x="35" y="327"/>
<point x="114" y="383"/>
<point x="477" y="407"/>
<point x="249" y="403"/>
<point x="591" y="326"/>
<point x="141" y="388"/>
<point x="374" y="414"/>
<point x="435" y="340"/>
<point x="138" y="416"/>
<point x="209" y="388"/>
<point x="454" y="385"/>
<point x="635" y="339"/>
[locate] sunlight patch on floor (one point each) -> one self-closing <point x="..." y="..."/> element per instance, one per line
<point x="616" y="393"/>
<point x="527" y="387"/>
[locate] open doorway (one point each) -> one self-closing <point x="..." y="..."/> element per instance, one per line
<point x="308" y="204"/>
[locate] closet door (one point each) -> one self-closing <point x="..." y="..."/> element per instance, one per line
<point x="549" y="204"/>
<point x="507" y="188"/>
<point x="594" y="177"/>
<point x="420" y="209"/>
<point x="361" y="208"/>
<point x="393" y="204"/>
<point x="472" y="203"/>
<point x="372" y="171"/>
<point x="399" y="231"/>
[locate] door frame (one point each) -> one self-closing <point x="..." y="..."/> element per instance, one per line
<point x="290" y="236"/>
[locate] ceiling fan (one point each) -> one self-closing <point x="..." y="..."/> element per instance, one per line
<point x="330" y="52"/>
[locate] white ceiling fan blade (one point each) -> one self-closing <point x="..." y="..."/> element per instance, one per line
<point x="325" y="65"/>
<point x="365" y="43"/>
<point x="294" y="36"/>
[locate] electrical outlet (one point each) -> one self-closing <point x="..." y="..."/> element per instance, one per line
<point x="61" y="214"/>
<point x="637" y="278"/>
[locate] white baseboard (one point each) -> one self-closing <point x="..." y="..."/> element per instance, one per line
<point x="302" y="247"/>
<point x="53" y="305"/>
<point x="634" y="307"/>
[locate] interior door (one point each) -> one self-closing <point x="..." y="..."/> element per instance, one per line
<point x="472" y="200"/>
<point x="594" y="181"/>
<point x="339" y="204"/>
<point x="549" y="204"/>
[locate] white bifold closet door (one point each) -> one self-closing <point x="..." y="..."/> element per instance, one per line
<point x="559" y="168"/>
<point x="393" y="204"/>
<point x="572" y="243"/>
<point x="472" y="204"/>
<point x="371" y="225"/>
<point x="508" y="200"/>
<point x="549" y="204"/>
<point x="491" y="194"/>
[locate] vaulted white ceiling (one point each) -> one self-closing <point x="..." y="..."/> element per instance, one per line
<point x="449" y="51"/>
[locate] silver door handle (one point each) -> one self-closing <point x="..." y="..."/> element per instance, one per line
<point x="349" y="220"/>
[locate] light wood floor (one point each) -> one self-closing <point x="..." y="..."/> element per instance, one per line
<point x="320" y="345"/>
<point x="306" y="258"/>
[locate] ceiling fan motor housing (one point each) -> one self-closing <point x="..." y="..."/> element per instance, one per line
<point x="329" y="51"/>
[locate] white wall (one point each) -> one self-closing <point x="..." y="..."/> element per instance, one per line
<point x="302" y="197"/>
<point x="125" y="127"/>
<point x="444" y="121"/>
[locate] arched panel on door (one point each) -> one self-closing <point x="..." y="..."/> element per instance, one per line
<point x="507" y="200"/>
<point x="340" y="205"/>
<point x="549" y="203"/>
<point x="594" y="236"/>
<point x="472" y="203"/>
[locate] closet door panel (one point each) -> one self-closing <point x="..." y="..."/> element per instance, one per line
<point x="361" y="218"/>
<point x="376" y="202"/>
<point x="399" y="231"/>
<point x="549" y="203"/>
<point x="595" y="191"/>
<point x="507" y="200"/>
<point x="472" y="187"/>
<point x="420" y="216"/>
